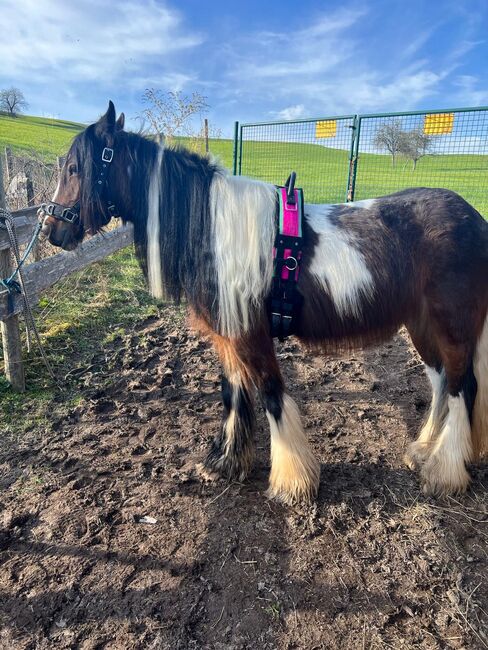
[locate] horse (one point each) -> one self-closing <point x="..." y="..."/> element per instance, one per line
<point x="417" y="258"/>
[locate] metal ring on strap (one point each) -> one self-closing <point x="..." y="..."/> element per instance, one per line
<point x="293" y="261"/>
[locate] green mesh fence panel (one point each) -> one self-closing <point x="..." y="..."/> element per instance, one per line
<point x="443" y="149"/>
<point x="318" y="150"/>
<point x="365" y="156"/>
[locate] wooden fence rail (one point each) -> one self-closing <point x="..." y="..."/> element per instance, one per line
<point x="40" y="275"/>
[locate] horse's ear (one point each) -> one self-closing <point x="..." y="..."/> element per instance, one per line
<point x="119" y="124"/>
<point x="109" y="116"/>
<point x="105" y="126"/>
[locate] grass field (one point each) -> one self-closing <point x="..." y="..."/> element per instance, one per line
<point x="47" y="137"/>
<point x="322" y="171"/>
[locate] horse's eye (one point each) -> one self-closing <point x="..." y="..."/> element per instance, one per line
<point x="72" y="169"/>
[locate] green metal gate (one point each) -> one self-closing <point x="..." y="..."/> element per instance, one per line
<point x="355" y="157"/>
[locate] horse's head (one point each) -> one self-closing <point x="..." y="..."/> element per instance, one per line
<point x="89" y="184"/>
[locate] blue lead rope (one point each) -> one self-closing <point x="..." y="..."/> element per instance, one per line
<point x="10" y="283"/>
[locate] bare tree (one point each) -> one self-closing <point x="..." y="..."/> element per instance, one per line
<point x="12" y="101"/>
<point x="389" y="137"/>
<point x="171" y="113"/>
<point x="414" y="145"/>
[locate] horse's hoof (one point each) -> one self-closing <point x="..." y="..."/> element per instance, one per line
<point x="231" y="467"/>
<point x="440" y="477"/>
<point x="302" y="491"/>
<point x="417" y="454"/>
<point x="205" y="474"/>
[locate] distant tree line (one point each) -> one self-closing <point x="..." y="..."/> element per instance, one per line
<point x="412" y="145"/>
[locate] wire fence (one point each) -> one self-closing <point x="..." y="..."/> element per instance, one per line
<point x="356" y="157"/>
<point x="271" y="151"/>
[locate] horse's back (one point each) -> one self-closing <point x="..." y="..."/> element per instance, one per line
<point x="370" y="265"/>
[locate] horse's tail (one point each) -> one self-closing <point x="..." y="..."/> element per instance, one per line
<point x="480" y="413"/>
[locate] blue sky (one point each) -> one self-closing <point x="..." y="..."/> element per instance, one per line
<point x="253" y="60"/>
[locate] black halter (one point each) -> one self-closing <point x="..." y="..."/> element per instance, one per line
<point x="71" y="214"/>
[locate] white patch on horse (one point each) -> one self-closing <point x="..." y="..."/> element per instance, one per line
<point x="243" y="235"/>
<point x="365" y="204"/>
<point x="153" y="245"/>
<point x="337" y="264"/>
<point x="56" y="191"/>
<point x="43" y="216"/>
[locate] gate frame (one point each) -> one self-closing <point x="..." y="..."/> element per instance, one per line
<point x="354" y="150"/>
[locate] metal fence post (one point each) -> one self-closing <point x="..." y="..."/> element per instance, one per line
<point x="354" y="161"/>
<point x="235" y="148"/>
<point x="240" y="150"/>
<point x="351" y="174"/>
<point x="12" y="347"/>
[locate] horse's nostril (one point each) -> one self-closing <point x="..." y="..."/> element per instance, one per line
<point x="46" y="229"/>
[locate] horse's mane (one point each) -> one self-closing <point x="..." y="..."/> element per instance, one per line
<point x="185" y="226"/>
<point x="198" y="232"/>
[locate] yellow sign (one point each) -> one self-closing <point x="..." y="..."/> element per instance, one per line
<point x="326" y="129"/>
<point x="438" y="123"/>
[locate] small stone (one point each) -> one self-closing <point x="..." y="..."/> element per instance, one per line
<point x="147" y="520"/>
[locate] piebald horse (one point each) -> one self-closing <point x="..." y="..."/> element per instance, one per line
<point x="417" y="258"/>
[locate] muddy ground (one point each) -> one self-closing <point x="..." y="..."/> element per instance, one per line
<point x="373" y="564"/>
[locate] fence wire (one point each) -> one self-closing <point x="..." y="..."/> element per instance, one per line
<point x="448" y="149"/>
<point x="365" y="156"/>
<point x="318" y="150"/>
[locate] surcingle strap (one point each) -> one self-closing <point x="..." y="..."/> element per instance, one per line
<point x="285" y="301"/>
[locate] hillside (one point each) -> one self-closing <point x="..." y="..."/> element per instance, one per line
<point x="48" y="137"/>
<point x="321" y="171"/>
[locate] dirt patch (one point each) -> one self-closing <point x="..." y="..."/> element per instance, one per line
<point x="108" y="539"/>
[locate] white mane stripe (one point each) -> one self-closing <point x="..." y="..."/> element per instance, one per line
<point x="242" y="212"/>
<point x="153" y="245"/>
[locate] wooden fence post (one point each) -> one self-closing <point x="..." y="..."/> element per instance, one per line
<point x="206" y="134"/>
<point x="29" y="186"/>
<point x="29" y="189"/>
<point x="9" y="164"/>
<point x="12" y="347"/>
<point x="60" y="163"/>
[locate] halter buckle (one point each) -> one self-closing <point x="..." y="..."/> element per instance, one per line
<point x="107" y="155"/>
<point x="69" y="216"/>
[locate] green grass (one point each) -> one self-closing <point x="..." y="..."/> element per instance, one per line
<point x="77" y="318"/>
<point x="323" y="172"/>
<point x="47" y="137"/>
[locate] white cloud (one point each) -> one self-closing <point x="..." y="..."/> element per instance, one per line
<point x="278" y="57"/>
<point x="291" y="112"/>
<point x="55" y="42"/>
<point x="327" y="68"/>
<point x="470" y="94"/>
